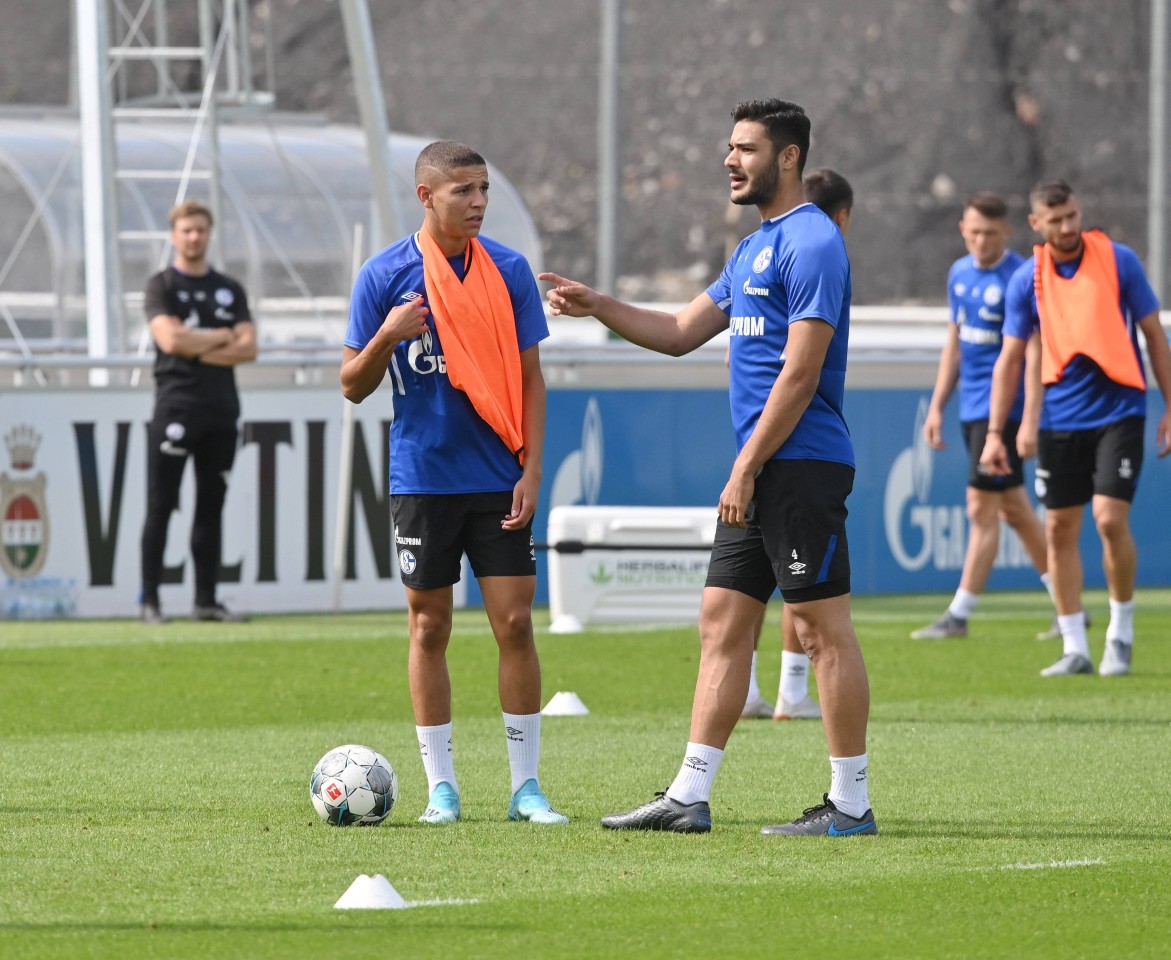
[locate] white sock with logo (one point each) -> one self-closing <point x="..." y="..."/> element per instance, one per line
<point x="848" y="787"/>
<point x="1073" y="634"/>
<point x="694" y="782"/>
<point x="435" y="749"/>
<point x="1121" y="621"/>
<point x="753" y="686"/>
<point x="794" y="677"/>
<point x="523" y="731"/>
<point x="963" y="603"/>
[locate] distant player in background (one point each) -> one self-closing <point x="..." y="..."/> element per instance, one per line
<point x="832" y="193"/>
<point x="202" y="329"/>
<point x="785" y="298"/>
<point x="976" y="287"/>
<point x="456" y="320"/>
<point x="1085" y="298"/>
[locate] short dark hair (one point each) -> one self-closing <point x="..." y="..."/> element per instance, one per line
<point x="1050" y="193"/>
<point x="784" y="121"/>
<point x="828" y="190"/>
<point x="445" y="156"/>
<point x="987" y="204"/>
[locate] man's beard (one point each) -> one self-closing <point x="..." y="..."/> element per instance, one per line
<point x="760" y="191"/>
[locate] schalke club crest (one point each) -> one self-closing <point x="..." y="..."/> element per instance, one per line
<point x="24" y="519"/>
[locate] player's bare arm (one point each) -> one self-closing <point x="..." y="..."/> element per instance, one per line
<point x="241" y="349"/>
<point x="1159" y="354"/>
<point x="946" y="379"/>
<point x="362" y="370"/>
<point x="1026" y="438"/>
<point x="172" y="336"/>
<point x="525" y="493"/>
<point x="795" y="386"/>
<point x="671" y="333"/>
<point x="1006" y="375"/>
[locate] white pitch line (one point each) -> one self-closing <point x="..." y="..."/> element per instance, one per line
<point x="441" y="903"/>
<point x="1054" y="865"/>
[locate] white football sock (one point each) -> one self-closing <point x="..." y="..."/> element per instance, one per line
<point x="694" y="782"/>
<point x="1073" y="634"/>
<point x="435" y="749"/>
<point x="753" y="686"/>
<point x="1121" y="621"/>
<point x="1048" y="582"/>
<point x="523" y="731"/>
<point x="963" y="603"/>
<point x="794" y="677"/>
<point x="849" y="789"/>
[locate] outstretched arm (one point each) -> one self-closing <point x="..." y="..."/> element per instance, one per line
<point x="671" y="333"/>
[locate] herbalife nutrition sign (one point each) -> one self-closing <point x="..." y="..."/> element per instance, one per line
<point x="650" y="570"/>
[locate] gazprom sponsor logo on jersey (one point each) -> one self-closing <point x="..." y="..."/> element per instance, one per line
<point x="419" y="354"/>
<point x="746" y="327"/>
<point x="763" y="259"/>
<point x="755" y="291"/>
<point x="970" y="334"/>
<point x="921" y="531"/>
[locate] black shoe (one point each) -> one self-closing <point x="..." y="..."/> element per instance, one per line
<point x="150" y="613"/>
<point x="219" y="613"/>
<point x="825" y="820"/>
<point x="663" y="813"/>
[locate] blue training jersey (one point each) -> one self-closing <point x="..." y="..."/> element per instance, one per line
<point x="793" y="268"/>
<point x="975" y="298"/>
<point x="438" y="442"/>
<point x="1085" y="398"/>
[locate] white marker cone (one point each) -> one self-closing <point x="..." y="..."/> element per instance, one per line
<point x="371" y="893"/>
<point x="565" y="704"/>
<point x="566" y="623"/>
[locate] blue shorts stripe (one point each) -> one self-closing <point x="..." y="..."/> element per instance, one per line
<point x="829" y="555"/>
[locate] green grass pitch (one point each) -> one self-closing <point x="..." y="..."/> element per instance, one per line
<point x="154" y="798"/>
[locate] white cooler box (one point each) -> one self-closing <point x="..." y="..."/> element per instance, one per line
<point x="627" y="564"/>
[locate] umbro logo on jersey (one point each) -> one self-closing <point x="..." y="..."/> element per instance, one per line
<point x="514" y="734"/>
<point x="1126" y="469"/>
<point x="411" y="297"/>
<point x="796" y="566"/>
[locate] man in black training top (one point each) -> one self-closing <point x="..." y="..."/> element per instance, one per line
<point x="202" y="328"/>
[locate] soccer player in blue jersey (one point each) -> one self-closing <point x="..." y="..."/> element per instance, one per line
<point x="1084" y="298"/>
<point x="975" y="296"/>
<point x="457" y="483"/>
<point x="832" y="194"/>
<point x="785" y="298"/>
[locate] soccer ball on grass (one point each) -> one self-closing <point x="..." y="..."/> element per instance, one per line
<point x="353" y="784"/>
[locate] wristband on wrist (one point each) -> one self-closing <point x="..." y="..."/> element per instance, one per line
<point x="990" y="431"/>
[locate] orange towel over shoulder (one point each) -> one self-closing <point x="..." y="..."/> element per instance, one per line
<point x="1081" y="315"/>
<point x="477" y="329"/>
